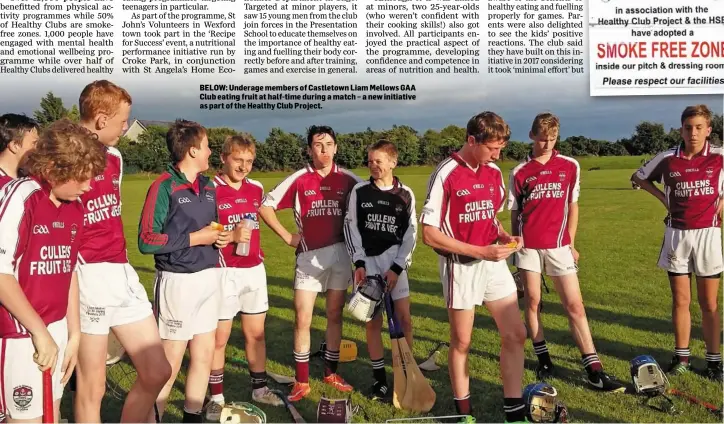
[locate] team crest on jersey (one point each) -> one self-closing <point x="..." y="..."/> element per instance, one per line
<point x="73" y="232"/>
<point x="491" y="190"/>
<point x="116" y="182"/>
<point x="256" y="203"/>
<point x="340" y="192"/>
<point x="22" y="396"/>
<point x="562" y="175"/>
<point x="710" y="172"/>
<point x="398" y="208"/>
<point x="210" y="196"/>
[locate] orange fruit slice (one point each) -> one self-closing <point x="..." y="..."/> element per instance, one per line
<point x="512" y="244"/>
<point x="216" y="226"/>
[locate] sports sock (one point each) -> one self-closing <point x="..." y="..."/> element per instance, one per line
<point x="713" y="360"/>
<point x="682" y="354"/>
<point x="463" y="405"/>
<point x="378" y="370"/>
<point x="301" y="361"/>
<point x="192" y="417"/>
<point x="331" y="359"/>
<point x="514" y="409"/>
<point x="541" y="351"/>
<point x="216" y="385"/>
<point x="258" y="379"/>
<point x="591" y="362"/>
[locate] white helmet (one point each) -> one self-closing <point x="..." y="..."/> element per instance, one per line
<point x="367" y="298"/>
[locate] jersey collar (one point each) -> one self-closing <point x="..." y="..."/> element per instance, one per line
<point x="3" y="173"/>
<point x="704" y="152"/>
<point x="395" y="182"/>
<point x="44" y="185"/>
<point x="529" y="158"/>
<point x="310" y="168"/>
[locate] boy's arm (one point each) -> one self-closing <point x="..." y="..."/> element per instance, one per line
<point x="514" y="203"/>
<point x="281" y="197"/>
<point x="574" y="193"/>
<point x="409" y="240"/>
<point x="352" y="236"/>
<point x="73" y="313"/>
<point x="151" y="238"/>
<point x="652" y="171"/>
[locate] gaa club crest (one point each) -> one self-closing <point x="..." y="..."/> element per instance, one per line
<point x="398" y="208"/>
<point x="22" y="396"/>
<point x="562" y="175"/>
<point x="116" y="182"/>
<point x="710" y="172"/>
<point x="73" y="232"/>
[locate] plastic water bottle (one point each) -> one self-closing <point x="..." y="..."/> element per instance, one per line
<point x="242" y="249"/>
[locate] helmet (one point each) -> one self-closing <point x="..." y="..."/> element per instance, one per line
<point x="648" y="377"/>
<point x="541" y="405"/>
<point x="242" y="412"/>
<point x="366" y="300"/>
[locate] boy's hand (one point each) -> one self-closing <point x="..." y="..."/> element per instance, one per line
<point x="391" y="279"/>
<point x="207" y="235"/>
<point x="223" y="240"/>
<point x="294" y="240"/>
<point x="359" y="276"/>
<point x="575" y="253"/>
<point x="70" y="359"/>
<point x="241" y="234"/>
<point x="46" y="350"/>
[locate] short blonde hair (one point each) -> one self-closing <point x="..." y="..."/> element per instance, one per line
<point x="66" y="152"/>
<point x="545" y="123"/>
<point x="697" y="110"/>
<point x="241" y="142"/>
<point x="101" y="97"/>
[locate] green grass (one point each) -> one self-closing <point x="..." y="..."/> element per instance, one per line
<point x="627" y="301"/>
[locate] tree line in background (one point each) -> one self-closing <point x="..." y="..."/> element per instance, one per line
<point x="283" y="151"/>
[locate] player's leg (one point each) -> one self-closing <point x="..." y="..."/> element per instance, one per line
<point x="401" y="297"/>
<point x="143" y="345"/>
<point x="90" y="375"/>
<point x="373" y="330"/>
<point x="529" y="264"/>
<point x="303" y="311"/>
<point x="462" y="292"/>
<point x="174" y="351"/>
<point x="216" y="376"/>
<point x="708" y="265"/>
<point x="205" y="319"/>
<point x="501" y="299"/>
<point x="675" y="257"/>
<point x="336" y="285"/>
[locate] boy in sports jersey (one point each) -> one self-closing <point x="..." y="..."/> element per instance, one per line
<point x="18" y="135"/>
<point x="381" y="231"/>
<point x="41" y="225"/>
<point x="543" y="200"/>
<point x="111" y="293"/>
<point x="176" y="227"/>
<point x="693" y="196"/>
<point x="318" y="193"/>
<point x="459" y="221"/>
<point x="243" y="277"/>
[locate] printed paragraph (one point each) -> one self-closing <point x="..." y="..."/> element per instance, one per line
<point x="57" y="37"/>
<point x="300" y="37"/>
<point x="178" y="37"/>
<point x="422" y="37"/>
<point x="535" y="37"/>
<point x="297" y="97"/>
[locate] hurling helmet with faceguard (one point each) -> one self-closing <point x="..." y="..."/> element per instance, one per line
<point x="542" y="405"/>
<point x="366" y="301"/>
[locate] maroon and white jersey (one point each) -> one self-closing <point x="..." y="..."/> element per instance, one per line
<point x="464" y="202"/>
<point x="319" y="203"/>
<point x="39" y="247"/>
<point x="4" y="178"/>
<point x="693" y="187"/>
<point x="234" y="206"/>
<point x="542" y="195"/>
<point x="103" y="238"/>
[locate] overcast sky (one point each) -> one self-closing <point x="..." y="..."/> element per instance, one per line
<point x="441" y="102"/>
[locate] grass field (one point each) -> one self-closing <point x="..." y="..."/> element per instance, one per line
<point x="627" y="300"/>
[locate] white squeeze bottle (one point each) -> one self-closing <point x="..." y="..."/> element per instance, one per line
<point x="242" y="249"/>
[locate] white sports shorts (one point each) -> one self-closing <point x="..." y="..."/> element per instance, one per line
<point x="187" y="304"/>
<point x="327" y="268"/>
<point x="110" y="295"/>
<point x="243" y="289"/>
<point x="553" y="262"/>
<point x="698" y="251"/>
<point x="381" y="264"/>
<point x="22" y="381"/>
<point x="467" y="285"/>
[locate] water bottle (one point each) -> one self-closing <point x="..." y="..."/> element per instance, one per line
<point x="242" y="249"/>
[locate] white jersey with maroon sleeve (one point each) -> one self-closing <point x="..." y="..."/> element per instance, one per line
<point x="693" y="187"/>
<point x="234" y="206"/>
<point x="4" y="178"/>
<point x="103" y="239"/>
<point x="542" y="194"/>
<point x="39" y="247"/>
<point x="463" y="203"/>
<point x="319" y="203"/>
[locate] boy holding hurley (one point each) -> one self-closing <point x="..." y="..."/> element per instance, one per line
<point x="41" y="224"/>
<point x="381" y="230"/>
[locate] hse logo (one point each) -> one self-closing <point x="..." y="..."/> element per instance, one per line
<point x="463" y="192"/>
<point x="41" y="229"/>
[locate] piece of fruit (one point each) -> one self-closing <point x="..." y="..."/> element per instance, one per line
<point x="512" y="244"/>
<point x="216" y="226"/>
